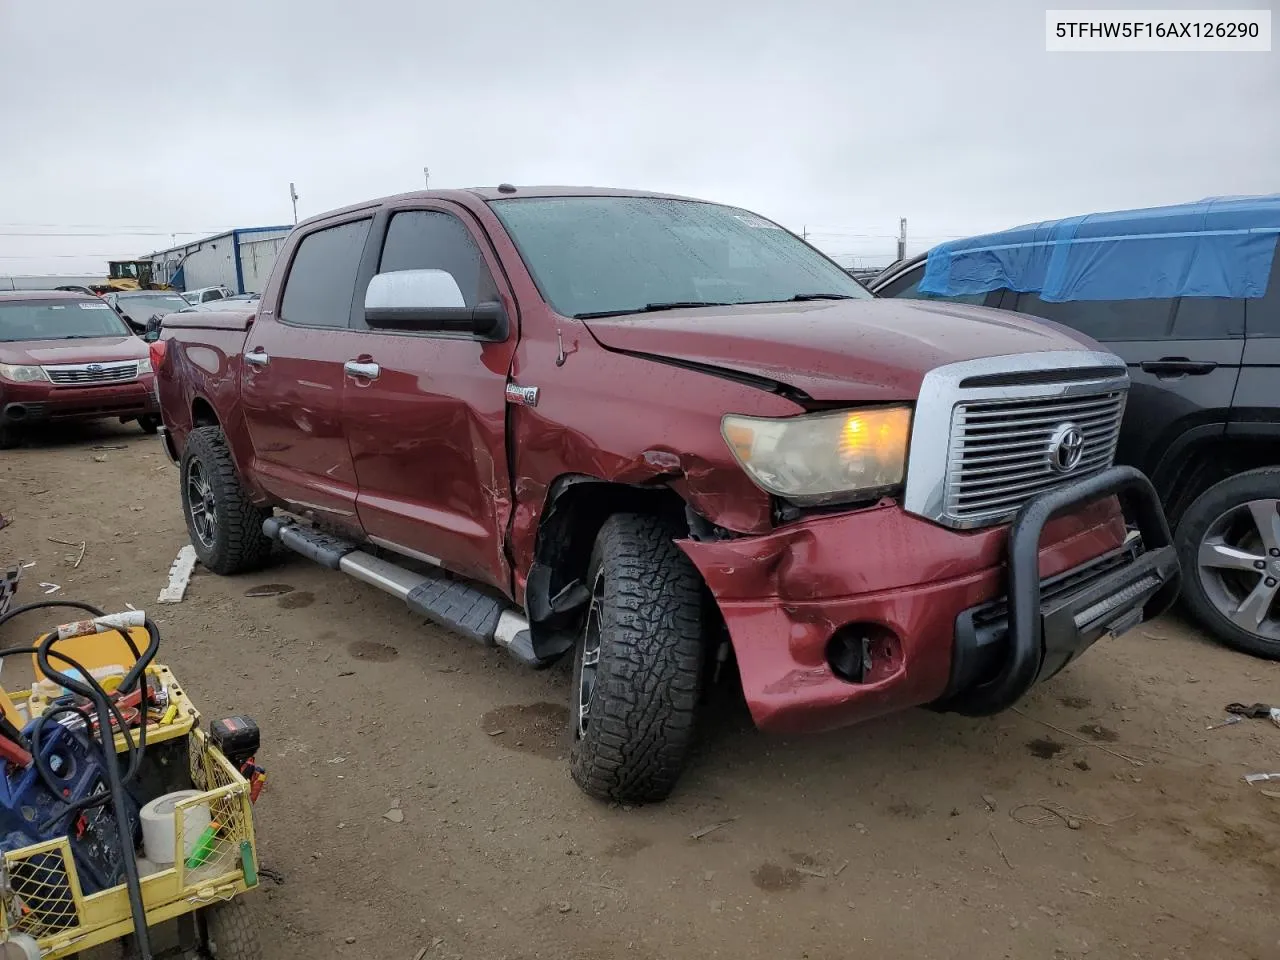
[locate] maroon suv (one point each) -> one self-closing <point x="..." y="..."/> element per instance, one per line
<point x="69" y="356"/>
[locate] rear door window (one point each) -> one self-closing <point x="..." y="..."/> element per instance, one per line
<point x="1262" y="314"/>
<point x="1105" y="320"/>
<point x="1208" y="318"/>
<point x="322" y="278"/>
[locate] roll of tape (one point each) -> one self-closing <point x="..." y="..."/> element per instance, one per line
<point x="159" y="830"/>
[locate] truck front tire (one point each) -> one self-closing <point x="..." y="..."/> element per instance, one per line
<point x="224" y="525"/>
<point x="637" y="674"/>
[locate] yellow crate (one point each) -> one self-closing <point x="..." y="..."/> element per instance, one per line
<point x="45" y="898"/>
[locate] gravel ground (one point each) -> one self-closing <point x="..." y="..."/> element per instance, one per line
<point x="1101" y="819"/>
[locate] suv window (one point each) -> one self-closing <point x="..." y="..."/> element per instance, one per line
<point x="431" y="240"/>
<point x="1208" y="318"/>
<point x="211" y="295"/>
<point x="1105" y="320"/>
<point x="322" y="277"/>
<point x="908" y="286"/>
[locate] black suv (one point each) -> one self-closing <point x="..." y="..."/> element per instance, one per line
<point x="1203" y="421"/>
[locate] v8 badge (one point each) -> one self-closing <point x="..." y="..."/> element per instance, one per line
<point x="525" y="395"/>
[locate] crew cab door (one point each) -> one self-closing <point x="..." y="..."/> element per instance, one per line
<point x="292" y="375"/>
<point x="425" y="413"/>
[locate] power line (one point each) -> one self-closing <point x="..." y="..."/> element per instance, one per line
<point x="119" y="233"/>
<point x="113" y="226"/>
<point x="887" y="236"/>
<point x="57" y="256"/>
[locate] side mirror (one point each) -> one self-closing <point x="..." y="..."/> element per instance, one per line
<point x="429" y="301"/>
<point x="152" y="333"/>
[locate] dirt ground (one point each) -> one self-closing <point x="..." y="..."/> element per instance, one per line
<point x="1102" y="819"/>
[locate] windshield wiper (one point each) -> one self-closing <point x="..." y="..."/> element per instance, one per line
<point x="802" y="297"/>
<point x="652" y="308"/>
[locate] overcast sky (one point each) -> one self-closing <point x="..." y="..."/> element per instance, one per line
<point x="831" y="115"/>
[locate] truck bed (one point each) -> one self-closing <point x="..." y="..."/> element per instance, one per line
<point x="238" y="320"/>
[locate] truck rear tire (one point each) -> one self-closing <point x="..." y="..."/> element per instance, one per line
<point x="225" y="527"/>
<point x="637" y="673"/>
<point x="1229" y="545"/>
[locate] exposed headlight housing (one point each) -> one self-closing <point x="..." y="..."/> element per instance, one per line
<point x="822" y="458"/>
<point x="18" y="373"/>
<point x="145" y="366"/>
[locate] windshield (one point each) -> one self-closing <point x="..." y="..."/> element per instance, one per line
<point x="595" y="256"/>
<point x="59" y="320"/>
<point x="142" y="308"/>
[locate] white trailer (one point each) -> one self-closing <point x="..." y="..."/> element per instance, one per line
<point x="240" y="259"/>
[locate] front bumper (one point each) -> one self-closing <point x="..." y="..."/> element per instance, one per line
<point x="924" y="602"/>
<point x="34" y="403"/>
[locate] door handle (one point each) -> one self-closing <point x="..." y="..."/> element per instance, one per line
<point x="259" y="358"/>
<point x="368" y="371"/>
<point x="1178" y="367"/>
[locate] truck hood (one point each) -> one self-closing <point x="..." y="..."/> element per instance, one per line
<point x="840" y="350"/>
<point x="97" y="350"/>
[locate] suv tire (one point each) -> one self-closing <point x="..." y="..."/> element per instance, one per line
<point x="9" y="438"/>
<point x="150" y="424"/>
<point x="224" y="525"/>
<point x="1229" y="545"/>
<point x="637" y="670"/>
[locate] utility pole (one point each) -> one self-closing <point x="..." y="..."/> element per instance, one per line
<point x="293" y="195"/>
<point x="426" y="177"/>
<point x="902" y="238"/>
<point x="804" y="232"/>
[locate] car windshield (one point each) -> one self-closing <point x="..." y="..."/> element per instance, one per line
<point x="58" y="320"/>
<point x="143" y="308"/>
<point x="602" y="256"/>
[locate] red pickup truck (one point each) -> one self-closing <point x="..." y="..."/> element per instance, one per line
<point x="664" y="434"/>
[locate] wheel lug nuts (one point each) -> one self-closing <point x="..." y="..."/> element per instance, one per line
<point x="1259" y="564"/>
<point x="1275" y="552"/>
<point x="1271" y="581"/>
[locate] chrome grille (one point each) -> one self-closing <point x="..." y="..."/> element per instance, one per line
<point x="984" y="429"/>
<point x="1002" y="450"/>
<point x="93" y="373"/>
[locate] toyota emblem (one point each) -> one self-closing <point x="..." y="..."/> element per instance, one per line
<point x="1066" y="447"/>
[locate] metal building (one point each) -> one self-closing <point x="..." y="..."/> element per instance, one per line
<point x="240" y="259"/>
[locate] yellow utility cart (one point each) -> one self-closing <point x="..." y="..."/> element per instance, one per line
<point x="45" y="909"/>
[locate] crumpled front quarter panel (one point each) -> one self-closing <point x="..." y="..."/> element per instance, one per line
<point x="630" y="420"/>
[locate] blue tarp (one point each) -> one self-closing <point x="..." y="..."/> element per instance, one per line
<point x="1220" y="247"/>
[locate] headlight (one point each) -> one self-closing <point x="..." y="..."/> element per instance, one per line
<point x="825" y="457"/>
<point x="144" y="366"/>
<point x="20" y="374"/>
